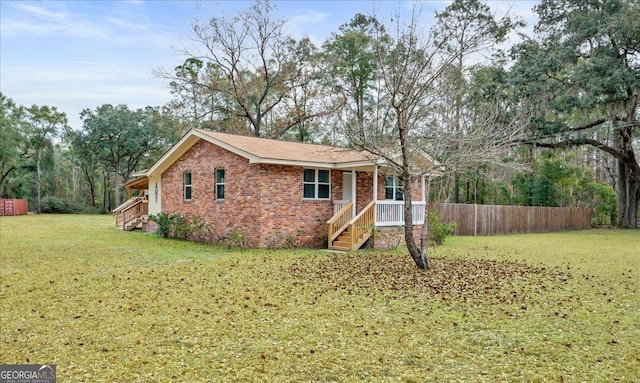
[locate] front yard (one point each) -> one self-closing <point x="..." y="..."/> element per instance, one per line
<point x="112" y="306"/>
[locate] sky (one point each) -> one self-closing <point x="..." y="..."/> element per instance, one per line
<point x="78" y="55"/>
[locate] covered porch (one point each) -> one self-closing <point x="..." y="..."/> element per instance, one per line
<point x="134" y="212"/>
<point x="352" y="224"/>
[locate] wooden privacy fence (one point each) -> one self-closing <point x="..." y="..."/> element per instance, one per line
<point x="497" y="219"/>
<point x="14" y="207"/>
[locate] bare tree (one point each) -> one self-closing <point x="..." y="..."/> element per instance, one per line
<point x="460" y="21"/>
<point x="247" y="69"/>
<point x="412" y="62"/>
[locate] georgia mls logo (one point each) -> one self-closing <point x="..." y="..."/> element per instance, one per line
<point x="36" y="373"/>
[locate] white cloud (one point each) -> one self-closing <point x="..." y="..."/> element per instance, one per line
<point x="126" y="24"/>
<point x="26" y="20"/>
<point x="39" y="11"/>
<point x="82" y="54"/>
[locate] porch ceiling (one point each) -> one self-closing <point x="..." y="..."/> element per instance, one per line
<point x="141" y="183"/>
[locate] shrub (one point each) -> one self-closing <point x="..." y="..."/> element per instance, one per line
<point x="176" y="225"/>
<point x="236" y="239"/>
<point x="438" y="231"/>
<point x="55" y="205"/>
<point x="163" y="222"/>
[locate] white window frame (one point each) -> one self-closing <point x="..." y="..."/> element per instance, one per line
<point x="187" y="186"/>
<point x="316" y="182"/>
<point x="223" y="184"/>
<point x="396" y="187"/>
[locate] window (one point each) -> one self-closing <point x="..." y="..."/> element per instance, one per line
<point x="220" y="182"/>
<point x="187" y="186"/>
<point x="393" y="188"/>
<point x="316" y="184"/>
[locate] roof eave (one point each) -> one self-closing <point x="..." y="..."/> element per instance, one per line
<point x="313" y="164"/>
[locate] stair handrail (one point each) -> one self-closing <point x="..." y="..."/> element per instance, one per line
<point x="134" y="212"/>
<point x="128" y="211"/>
<point x="340" y="221"/>
<point x="361" y="225"/>
<point x="127" y="203"/>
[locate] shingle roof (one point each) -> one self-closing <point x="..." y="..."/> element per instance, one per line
<point x="266" y="150"/>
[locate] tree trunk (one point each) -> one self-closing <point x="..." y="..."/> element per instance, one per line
<point x="628" y="180"/>
<point x="105" y="192"/>
<point x="628" y="195"/>
<point x="92" y="189"/>
<point x="116" y="184"/>
<point x="456" y="187"/>
<point x="417" y="255"/>
<point x="4" y="176"/>
<point x="38" y="179"/>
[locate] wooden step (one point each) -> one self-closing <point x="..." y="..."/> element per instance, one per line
<point x="342" y="244"/>
<point x="132" y="225"/>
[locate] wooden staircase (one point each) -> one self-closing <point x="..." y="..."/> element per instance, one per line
<point x="132" y="214"/>
<point x="343" y="241"/>
<point x="348" y="234"/>
<point x="136" y="223"/>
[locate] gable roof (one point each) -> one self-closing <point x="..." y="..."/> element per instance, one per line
<point x="263" y="150"/>
<point x="269" y="151"/>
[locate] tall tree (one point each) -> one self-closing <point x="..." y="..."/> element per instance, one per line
<point x="85" y="156"/>
<point x="123" y="139"/>
<point x="248" y="70"/>
<point x="461" y="21"/>
<point x="11" y="134"/>
<point x="307" y="97"/>
<point x="43" y="123"/>
<point x="584" y="72"/>
<point x="191" y="101"/>
<point x="412" y="63"/>
<point x="351" y="67"/>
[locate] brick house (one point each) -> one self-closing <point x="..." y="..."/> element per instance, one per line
<point x="273" y="191"/>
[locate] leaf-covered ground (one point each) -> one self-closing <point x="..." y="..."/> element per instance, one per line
<point x="108" y="306"/>
<point x="469" y="281"/>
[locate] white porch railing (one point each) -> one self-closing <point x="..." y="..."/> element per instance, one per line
<point x="390" y="213"/>
<point x="338" y="205"/>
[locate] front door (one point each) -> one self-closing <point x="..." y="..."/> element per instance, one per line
<point x="347" y="186"/>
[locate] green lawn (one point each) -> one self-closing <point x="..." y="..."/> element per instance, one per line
<point x="111" y="306"/>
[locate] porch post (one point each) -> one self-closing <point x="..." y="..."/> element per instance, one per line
<point x="375" y="193"/>
<point x="375" y="183"/>
<point x="354" y="189"/>
<point x="424" y="189"/>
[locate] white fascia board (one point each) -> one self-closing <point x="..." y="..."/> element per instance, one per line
<point x="369" y="165"/>
<point x="311" y="164"/>
<point x="140" y="173"/>
<point x="184" y="144"/>
<point x="426" y="156"/>
<point x="177" y="150"/>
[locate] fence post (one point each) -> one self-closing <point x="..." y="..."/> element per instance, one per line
<point x="475" y="220"/>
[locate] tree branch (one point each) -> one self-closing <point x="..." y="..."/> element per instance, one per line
<point x="578" y="142"/>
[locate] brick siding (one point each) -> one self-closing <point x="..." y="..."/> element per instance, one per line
<point x="263" y="202"/>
